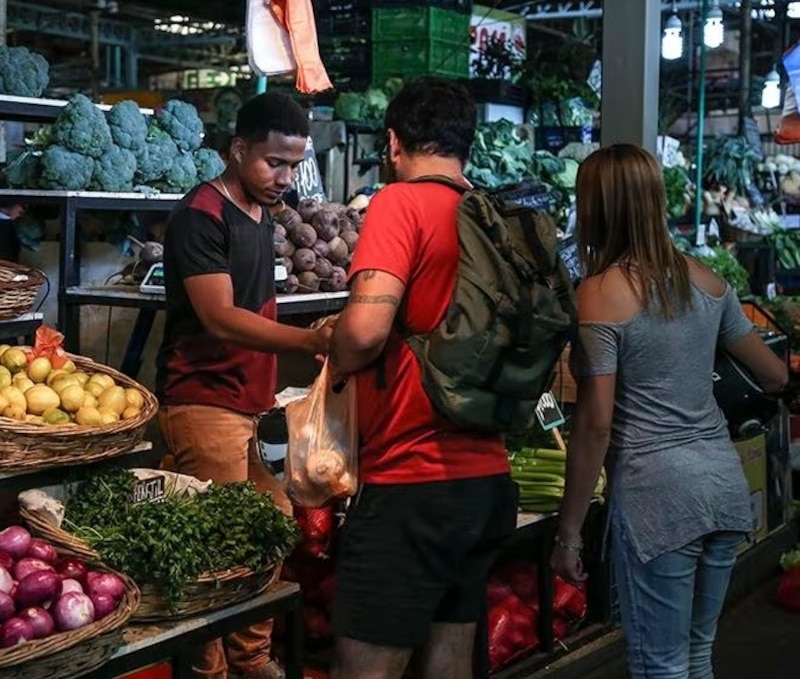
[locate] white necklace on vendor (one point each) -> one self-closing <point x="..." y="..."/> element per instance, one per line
<point x="231" y="198"/>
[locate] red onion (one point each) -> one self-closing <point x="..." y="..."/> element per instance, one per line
<point x="70" y="567"/>
<point x="15" y="541"/>
<point x="6" y="561"/>
<point x="107" y="584"/>
<point x="6" y="581"/>
<point x="39" y="589"/>
<point x="103" y="605"/>
<point x="40" y="621"/>
<point x="25" y="567"/>
<point x="15" y="631"/>
<point x="70" y="585"/>
<point x="73" y="611"/>
<point x="7" y="607"/>
<point x="42" y="550"/>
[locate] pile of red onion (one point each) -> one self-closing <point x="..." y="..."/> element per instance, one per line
<point x="41" y="594"/>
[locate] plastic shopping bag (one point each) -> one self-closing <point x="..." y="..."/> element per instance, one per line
<point x="322" y="456"/>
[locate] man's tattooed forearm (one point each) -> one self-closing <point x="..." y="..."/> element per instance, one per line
<point x="374" y="299"/>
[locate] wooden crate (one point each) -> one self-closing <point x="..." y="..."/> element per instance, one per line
<point x="564" y="387"/>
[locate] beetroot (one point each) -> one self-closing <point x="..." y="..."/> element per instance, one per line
<point x="288" y="264"/>
<point x="320" y="248"/>
<point x="303" y="235"/>
<point x="304" y="260"/>
<point x="326" y="224"/>
<point x="283" y="247"/>
<point x="308" y="208"/>
<point x="288" y="218"/>
<point x="308" y="281"/>
<point x="279" y="231"/>
<point x="291" y="285"/>
<point x="337" y="281"/>
<point x="323" y="268"/>
<point x="351" y="238"/>
<point x="338" y="252"/>
<point x="6" y="561"/>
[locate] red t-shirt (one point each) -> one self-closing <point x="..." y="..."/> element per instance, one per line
<point x="410" y="232"/>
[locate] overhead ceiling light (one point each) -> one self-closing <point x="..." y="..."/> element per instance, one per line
<point x="672" y="40"/>
<point x="793" y="10"/>
<point x="771" y="92"/>
<point x="714" y="29"/>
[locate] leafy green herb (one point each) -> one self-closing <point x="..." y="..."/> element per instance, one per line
<point x="170" y="543"/>
<point x="724" y="263"/>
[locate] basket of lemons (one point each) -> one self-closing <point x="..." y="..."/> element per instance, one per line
<point x="62" y="409"/>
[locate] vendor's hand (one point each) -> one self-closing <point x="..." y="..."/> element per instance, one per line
<point x="320" y="341"/>
<point x="567" y="564"/>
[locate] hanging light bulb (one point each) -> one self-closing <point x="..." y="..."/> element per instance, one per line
<point x="714" y="29"/>
<point x="793" y="10"/>
<point x="672" y="40"/>
<point x="771" y="93"/>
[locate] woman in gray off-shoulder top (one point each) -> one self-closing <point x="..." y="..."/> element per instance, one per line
<point x="650" y="321"/>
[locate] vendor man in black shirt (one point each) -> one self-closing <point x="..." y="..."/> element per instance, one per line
<point x="217" y="363"/>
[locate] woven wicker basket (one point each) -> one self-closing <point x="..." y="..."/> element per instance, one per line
<point x="71" y="654"/>
<point x="19" y="287"/>
<point x="25" y="446"/>
<point x="208" y="593"/>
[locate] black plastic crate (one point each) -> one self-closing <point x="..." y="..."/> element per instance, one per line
<point x="348" y="23"/>
<point x="486" y="91"/>
<point x="463" y="6"/>
<point x="344" y="56"/>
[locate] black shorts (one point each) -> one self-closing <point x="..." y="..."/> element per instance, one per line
<point x="414" y="554"/>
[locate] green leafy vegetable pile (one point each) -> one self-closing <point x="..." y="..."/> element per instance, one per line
<point x="724" y="264"/>
<point x="120" y="151"/>
<point x="369" y="106"/>
<point x="170" y="543"/>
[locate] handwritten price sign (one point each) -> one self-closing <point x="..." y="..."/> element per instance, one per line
<point x="308" y="182"/>
<point x="548" y="413"/>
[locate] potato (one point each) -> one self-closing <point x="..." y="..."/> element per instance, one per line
<point x="338" y="252"/>
<point x="304" y="260"/>
<point x="326" y="224"/>
<point x="308" y="281"/>
<point x="337" y="281"/>
<point x="284" y="247"/>
<point x="351" y="238"/>
<point x="303" y="235"/>
<point x="323" y="268"/>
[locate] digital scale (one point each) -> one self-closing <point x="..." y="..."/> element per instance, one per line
<point x="153" y="282"/>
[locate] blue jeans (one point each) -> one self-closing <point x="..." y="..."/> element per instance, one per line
<point x="670" y="605"/>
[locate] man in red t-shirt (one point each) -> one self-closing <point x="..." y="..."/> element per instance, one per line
<point x="217" y="363"/>
<point x="435" y="500"/>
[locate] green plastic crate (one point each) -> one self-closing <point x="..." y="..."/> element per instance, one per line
<point x="430" y="23"/>
<point x="412" y="58"/>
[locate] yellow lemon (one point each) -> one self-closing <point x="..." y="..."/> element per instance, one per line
<point x="69" y="366"/>
<point x="89" y="417"/>
<point x="109" y="416"/>
<point x="134" y="398"/>
<point x="4" y="348"/>
<point x="54" y="375"/>
<point x="3" y="403"/>
<point x="14" y="397"/>
<point x="130" y="413"/>
<point x="14" y="359"/>
<point x="82" y="378"/>
<point x="35" y="419"/>
<point x="15" y="412"/>
<point x="64" y="381"/>
<point x="113" y="398"/>
<point x="41" y="398"/>
<point x="39" y="369"/>
<point x="105" y="381"/>
<point x="23" y="384"/>
<point x="94" y="388"/>
<point x="73" y="398"/>
<point x="5" y="377"/>
<point x="89" y="400"/>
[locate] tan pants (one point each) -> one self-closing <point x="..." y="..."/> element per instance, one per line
<point x="219" y="445"/>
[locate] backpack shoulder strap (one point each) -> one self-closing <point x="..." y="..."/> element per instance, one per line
<point x="441" y="180"/>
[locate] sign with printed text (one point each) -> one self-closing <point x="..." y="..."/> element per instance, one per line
<point x="548" y="413"/>
<point x="492" y="24"/>
<point x="149" y="490"/>
<point x="308" y="183"/>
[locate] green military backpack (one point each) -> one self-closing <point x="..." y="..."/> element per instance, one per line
<point x="512" y="312"/>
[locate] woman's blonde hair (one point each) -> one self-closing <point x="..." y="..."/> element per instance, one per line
<point x="621" y="212"/>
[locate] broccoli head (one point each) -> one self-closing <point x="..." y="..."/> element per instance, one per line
<point x="114" y="170"/>
<point x="181" y="177"/>
<point x="65" y="170"/>
<point x="209" y="164"/>
<point x="81" y="127"/>
<point x="23" y="171"/>
<point x="155" y="159"/>
<point x="128" y="125"/>
<point x="181" y="122"/>
<point x="23" y="73"/>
